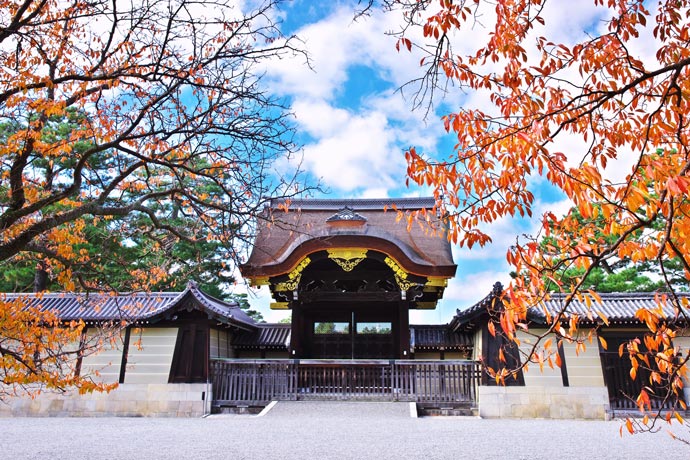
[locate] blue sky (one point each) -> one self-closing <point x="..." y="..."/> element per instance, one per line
<point x="355" y="124"/>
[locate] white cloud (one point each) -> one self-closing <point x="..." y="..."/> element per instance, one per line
<point x="334" y="44"/>
<point x="374" y="193"/>
<point x="472" y="282"/>
<point x="352" y="151"/>
<point x="357" y="151"/>
<point x="260" y="299"/>
<point x="462" y="292"/>
<point x="471" y="288"/>
<point x="572" y="23"/>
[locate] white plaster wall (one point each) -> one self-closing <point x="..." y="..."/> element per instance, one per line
<point x="455" y="355"/>
<point x="534" y="375"/>
<point x="276" y="354"/>
<point x="477" y="348"/>
<point x="150" y="354"/>
<point x="248" y="354"/>
<point x="427" y="355"/>
<point x="103" y="366"/>
<point x="584" y="366"/>
<point x="220" y="344"/>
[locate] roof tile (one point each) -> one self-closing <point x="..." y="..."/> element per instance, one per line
<point x="130" y="307"/>
<point x="618" y="308"/>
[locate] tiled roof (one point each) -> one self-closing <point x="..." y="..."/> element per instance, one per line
<point x="464" y="319"/>
<point x="438" y="336"/>
<point x="230" y="310"/>
<point x="132" y="307"/>
<point x="277" y="336"/>
<point x="265" y="335"/>
<point x="617" y="307"/>
<point x="284" y="238"/>
<point x="98" y="307"/>
<point x="357" y="204"/>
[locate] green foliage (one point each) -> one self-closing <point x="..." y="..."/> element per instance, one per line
<point x="375" y="330"/>
<point x="625" y="280"/>
<point x="617" y="274"/>
<point x="120" y="247"/>
<point x="287" y="320"/>
<point x="16" y="277"/>
<point x="331" y="328"/>
<point x="243" y="301"/>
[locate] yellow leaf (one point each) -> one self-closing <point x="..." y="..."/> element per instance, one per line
<point x="604" y="345"/>
<point x="492" y="329"/>
<point x="603" y="317"/>
<point x="629" y="426"/>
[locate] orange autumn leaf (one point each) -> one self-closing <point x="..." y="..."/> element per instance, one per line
<point x="629" y="426"/>
<point x="124" y="125"/>
<point x="492" y="329"/>
<point x="627" y="183"/>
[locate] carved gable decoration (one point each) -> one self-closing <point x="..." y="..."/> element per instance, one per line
<point x="348" y="259"/>
<point x="346" y="217"/>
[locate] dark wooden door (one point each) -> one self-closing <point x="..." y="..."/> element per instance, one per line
<point x="622" y="389"/>
<point x="373" y="337"/>
<point x="352" y="333"/>
<point x="190" y="360"/>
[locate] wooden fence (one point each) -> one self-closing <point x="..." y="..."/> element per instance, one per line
<point x="256" y="382"/>
<point x="623" y="390"/>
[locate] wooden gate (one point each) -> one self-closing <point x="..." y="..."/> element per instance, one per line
<point x="257" y="382"/>
<point x="623" y="390"/>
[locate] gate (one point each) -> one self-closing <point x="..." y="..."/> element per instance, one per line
<point x="623" y="390"/>
<point x="257" y="382"/>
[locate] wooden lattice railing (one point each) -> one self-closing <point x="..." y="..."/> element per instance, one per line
<point x="256" y="382"/>
<point x="623" y="390"/>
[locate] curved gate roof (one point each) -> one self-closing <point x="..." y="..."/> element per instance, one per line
<point x="289" y="231"/>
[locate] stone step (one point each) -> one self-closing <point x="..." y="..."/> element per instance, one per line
<point x="457" y="410"/>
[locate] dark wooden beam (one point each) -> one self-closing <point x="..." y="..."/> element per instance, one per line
<point x="337" y="296"/>
<point x="564" y="367"/>
<point x="125" y="352"/>
<point x="297" y="330"/>
<point x="80" y="351"/>
<point x="403" y="330"/>
<point x="339" y="274"/>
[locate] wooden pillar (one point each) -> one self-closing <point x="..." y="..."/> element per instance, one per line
<point x="125" y="353"/>
<point x="296" y="331"/>
<point x="41" y="277"/>
<point x="403" y="328"/>
<point x="80" y="352"/>
<point x="564" y="366"/>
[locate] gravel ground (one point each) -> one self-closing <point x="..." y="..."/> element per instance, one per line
<point x="318" y="430"/>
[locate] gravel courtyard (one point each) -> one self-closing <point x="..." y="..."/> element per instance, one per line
<point x="317" y="430"/>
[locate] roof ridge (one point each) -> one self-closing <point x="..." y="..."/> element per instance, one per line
<point x="90" y="294"/>
<point x="354" y="203"/>
<point x="621" y="294"/>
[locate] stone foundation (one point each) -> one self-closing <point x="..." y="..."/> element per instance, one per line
<point x="128" y="400"/>
<point x="544" y="402"/>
